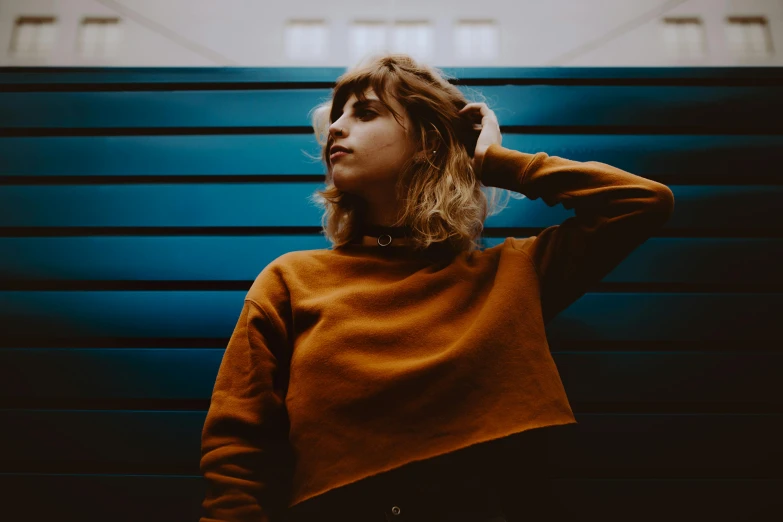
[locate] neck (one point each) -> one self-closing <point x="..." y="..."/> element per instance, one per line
<point x="375" y="229"/>
<point x="379" y="216"/>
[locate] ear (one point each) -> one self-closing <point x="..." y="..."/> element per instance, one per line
<point x="434" y="142"/>
<point x="430" y="144"/>
<point x="433" y="138"/>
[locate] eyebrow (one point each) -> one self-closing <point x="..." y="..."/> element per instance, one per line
<point x="370" y="102"/>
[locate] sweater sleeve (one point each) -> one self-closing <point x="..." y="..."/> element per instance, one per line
<point x="614" y="213"/>
<point x="245" y="454"/>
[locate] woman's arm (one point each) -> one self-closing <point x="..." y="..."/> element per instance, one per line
<point x="245" y="453"/>
<point x="615" y="212"/>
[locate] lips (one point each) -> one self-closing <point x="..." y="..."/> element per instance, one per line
<point x="338" y="148"/>
<point x="337" y="153"/>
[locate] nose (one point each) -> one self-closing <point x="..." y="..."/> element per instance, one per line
<point x="335" y="126"/>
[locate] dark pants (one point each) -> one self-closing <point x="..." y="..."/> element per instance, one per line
<point x="501" y="481"/>
<point x="390" y="503"/>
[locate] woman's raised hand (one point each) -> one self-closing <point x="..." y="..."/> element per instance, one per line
<point x="483" y="118"/>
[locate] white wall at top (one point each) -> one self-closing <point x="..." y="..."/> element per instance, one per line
<point x="250" y="32"/>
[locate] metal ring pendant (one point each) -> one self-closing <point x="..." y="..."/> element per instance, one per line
<point x="384" y="244"/>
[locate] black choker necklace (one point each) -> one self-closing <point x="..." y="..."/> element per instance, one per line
<point x="384" y="235"/>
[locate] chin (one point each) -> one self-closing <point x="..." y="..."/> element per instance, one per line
<point x="342" y="181"/>
<point x="339" y="182"/>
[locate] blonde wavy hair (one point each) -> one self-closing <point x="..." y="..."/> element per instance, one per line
<point x="443" y="201"/>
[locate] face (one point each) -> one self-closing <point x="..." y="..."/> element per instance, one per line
<point x="379" y="148"/>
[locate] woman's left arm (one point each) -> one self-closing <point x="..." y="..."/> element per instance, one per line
<point x="615" y="212"/>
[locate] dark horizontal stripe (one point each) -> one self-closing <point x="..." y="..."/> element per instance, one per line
<point x="125" y="285"/>
<point x="197" y="477"/>
<point x="607" y="287"/>
<point x="100" y="466"/>
<point x="673" y="346"/>
<point x="710" y="128"/>
<point x="210" y="78"/>
<point x="718" y="179"/>
<point x="62" y="403"/>
<point x="627" y="473"/>
<point x="722" y="473"/>
<point x="141" y="476"/>
<point x="115" y="342"/>
<point x="155" y="231"/>
<point x="296" y="75"/>
<point x="477" y="82"/>
<point x="210" y="178"/>
<point x="175" y="86"/>
<point x="565" y="345"/>
<point x="195" y="231"/>
<point x="306" y="231"/>
<point x="690" y="287"/>
<point x="149" y="131"/>
<point x="677" y="408"/>
<point x="202" y="405"/>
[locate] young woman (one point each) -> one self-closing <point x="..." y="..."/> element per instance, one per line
<point x="404" y="374"/>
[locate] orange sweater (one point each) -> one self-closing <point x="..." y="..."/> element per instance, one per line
<point x="395" y="358"/>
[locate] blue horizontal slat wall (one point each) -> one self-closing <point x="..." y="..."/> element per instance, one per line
<point x="58" y="375"/>
<point x="689" y="159"/>
<point x="138" y="205"/>
<point x="598" y="316"/>
<point x="269" y="204"/>
<point x="64" y="261"/>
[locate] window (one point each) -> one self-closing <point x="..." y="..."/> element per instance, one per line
<point x="34" y="35"/>
<point x="99" y="37"/>
<point x="414" y="38"/>
<point x="684" y="37"/>
<point x="306" y="39"/>
<point x="367" y="37"/>
<point x="476" y="40"/>
<point x="748" y="37"/>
